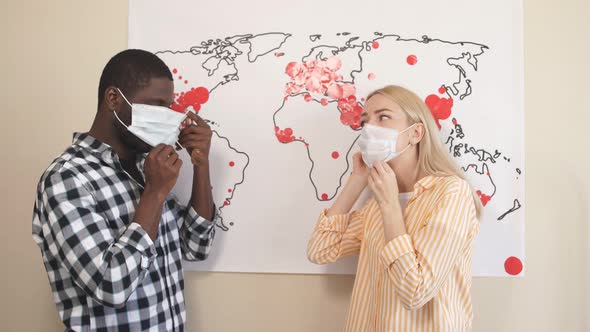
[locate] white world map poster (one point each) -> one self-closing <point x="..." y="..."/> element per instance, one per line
<point x="282" y="84"/>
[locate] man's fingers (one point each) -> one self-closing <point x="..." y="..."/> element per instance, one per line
<point x="197" y="119"/>
<point x="194" y="129"/>
<point x="156" y="150"/>
<point x="165" y="153"/>
<point x="172" y="159"/>
<point x="177" y="164"/>
<point x="192" y="138"/>
<point x="196" y="146"/>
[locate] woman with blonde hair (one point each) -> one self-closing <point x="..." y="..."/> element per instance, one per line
<point x="414" y="236"/>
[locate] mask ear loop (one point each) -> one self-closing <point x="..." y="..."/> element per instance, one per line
<point x="122" y="95"/>
<point x="404" y="149"/>
<point x="115" y="112"/>
<point x="409" y="141"/>
<point x="177" y="142"/>
<point x="117" y="116"/>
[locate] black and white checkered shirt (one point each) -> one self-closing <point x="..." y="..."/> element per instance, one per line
<point x="105" y="271"/>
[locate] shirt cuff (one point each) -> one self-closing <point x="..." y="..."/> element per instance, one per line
<point x="337" y="223"/>
<point x="198" y="223"/>
<point x="396" y="248"/>
<point x="136" y="237"/>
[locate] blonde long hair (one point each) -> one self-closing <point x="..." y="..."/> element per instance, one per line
<point x="433" y="158"/>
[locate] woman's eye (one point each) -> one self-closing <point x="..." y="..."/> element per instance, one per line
<point x="384" y="117"/>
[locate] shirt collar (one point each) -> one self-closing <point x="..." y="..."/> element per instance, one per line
<point x="426" y="183"/>
<point x="102" y="151"/>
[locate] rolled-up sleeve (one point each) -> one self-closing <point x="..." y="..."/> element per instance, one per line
<point x="196" y="232"/>
<point x="335" y="237"/>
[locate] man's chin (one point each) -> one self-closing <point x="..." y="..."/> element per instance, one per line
<point x="143" y="148"/>
<point x="135" y="144"/>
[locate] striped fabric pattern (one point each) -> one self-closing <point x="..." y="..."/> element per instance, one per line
<point x="419" y="281"/>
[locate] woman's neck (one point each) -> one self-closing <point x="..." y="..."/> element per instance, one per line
<point x="407" y="171"/>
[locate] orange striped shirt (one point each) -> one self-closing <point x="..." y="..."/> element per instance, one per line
<point x="419" y="281"/>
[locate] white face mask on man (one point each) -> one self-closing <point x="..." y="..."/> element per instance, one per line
<point x="153" y="124"/>
<point x="379" y="144"/>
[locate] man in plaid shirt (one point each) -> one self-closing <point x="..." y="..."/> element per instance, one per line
<point x="111" y="235"/>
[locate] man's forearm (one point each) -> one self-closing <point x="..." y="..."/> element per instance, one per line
<point x="202" y="198"/>
<point x="149" y="211"/>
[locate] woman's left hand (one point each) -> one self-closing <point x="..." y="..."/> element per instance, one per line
<point x="383" y="183"/>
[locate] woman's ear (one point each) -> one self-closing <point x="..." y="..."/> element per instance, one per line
<point x="417" y="133"/>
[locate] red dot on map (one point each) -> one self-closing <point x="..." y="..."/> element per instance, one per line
<point x="232" y="164"/>
<point x="201" y="95"/>
<point x="363" y="99"/>
<point x="371" y="76"/>
<point x="455" y="122"/>
<point x="335" y="154"/>
<point x="307" y="97"/>
<point x="442" y="90"/>
<point x="513" y="265"/>
<point x="412" y="59"/>
<point x="179" y="77"/>
<point x="229" y="190"/>
<point x="226" y="203"/>
<point x="185" y="82"/>
<point x="324" y="197"/>
<point x="174" y="71"/>
<point x="324" y="102"/>
<point x="375" y="44"/>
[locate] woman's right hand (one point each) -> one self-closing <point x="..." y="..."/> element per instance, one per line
<point x="360" y="170"/>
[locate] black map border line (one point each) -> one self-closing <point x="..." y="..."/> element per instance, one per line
<point x="485" y="169"/>
<point x="317" y="194"/>
<point x="221" y="219"/>
<point x="241" y="38"/>
<point x="364" y="46"/>
<point x="227" y="79"/>
<point x="515" y="207"/>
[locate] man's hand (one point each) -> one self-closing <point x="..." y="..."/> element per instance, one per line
<point x="196" y="138"/>
<point x="162" y="167"/>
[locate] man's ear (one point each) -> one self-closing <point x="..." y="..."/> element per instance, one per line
<point x="112" y="99"/>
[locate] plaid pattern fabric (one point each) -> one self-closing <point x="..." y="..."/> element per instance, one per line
<point x="105" y="271"/>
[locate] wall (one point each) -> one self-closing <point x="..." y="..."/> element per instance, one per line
<point x="52" y="55"/>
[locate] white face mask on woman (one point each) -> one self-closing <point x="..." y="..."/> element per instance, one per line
<point x="153" y="124"/>
<point x="379" y="144"/>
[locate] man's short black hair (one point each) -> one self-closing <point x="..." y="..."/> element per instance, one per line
<point x="131" y="70"/>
